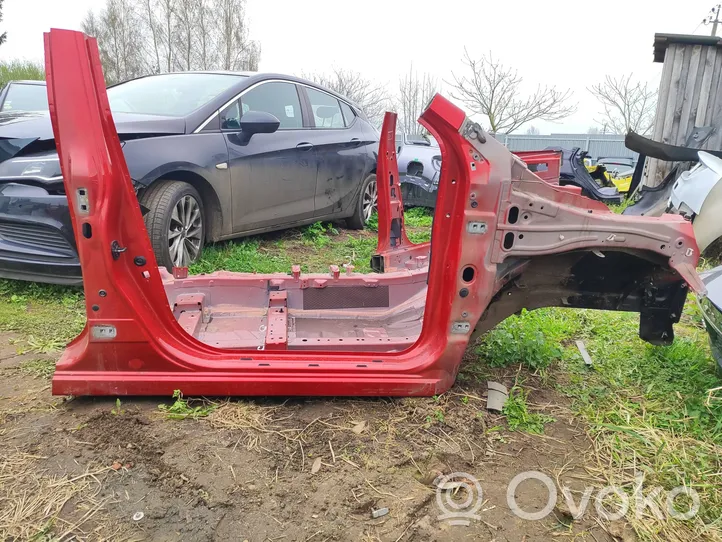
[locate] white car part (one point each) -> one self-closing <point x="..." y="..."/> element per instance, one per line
<point x="698" y="194"/>
<point x="707" y="224"/>
<point x="693" y="186"/>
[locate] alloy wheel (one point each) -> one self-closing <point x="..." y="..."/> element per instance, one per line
<point x="186" y="232"/>
<point x="370" y="200"/>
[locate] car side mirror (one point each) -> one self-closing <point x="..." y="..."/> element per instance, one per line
<point x="259" y="122"/>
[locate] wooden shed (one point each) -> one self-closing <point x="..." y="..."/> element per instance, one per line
<point x="689" y="93"/>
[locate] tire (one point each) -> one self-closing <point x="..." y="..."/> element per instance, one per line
<point x="361" y="215"/>
<point x="173" y="223"/>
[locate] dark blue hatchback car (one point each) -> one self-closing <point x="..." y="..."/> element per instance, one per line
<point x="212" y="156"/>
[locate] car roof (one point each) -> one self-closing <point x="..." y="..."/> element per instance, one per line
<point x="26" y="82"/>
<point x="255" y="77"/>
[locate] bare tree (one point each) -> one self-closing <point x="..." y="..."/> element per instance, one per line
<point x="532" y="130"/>
<point x="628" y="105"/>
<point x="138" y="37"/>
<point x="166" y="15"/>
<point x="4" y="35"/>
<point x="415" y="92"/>
<point x="205" y="28"/>
<point x="494" y="91"/>
<point x="154" y="29"/>
<point x="373" y="98"/>
<point x="185" y="22"/>
<point x="237" y="51"/>
<point x="118" y="29"/>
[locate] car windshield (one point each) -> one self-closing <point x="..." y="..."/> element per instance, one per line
<point x="173" y="94"/>
<point x="26" y="97"/>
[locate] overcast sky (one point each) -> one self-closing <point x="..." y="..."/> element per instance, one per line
<point x="569" y="44"/>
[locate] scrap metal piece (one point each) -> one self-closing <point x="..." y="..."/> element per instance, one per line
<point x="583" y="351"/>
<point x="497" y="396"/>
<point x="671" y="153"/>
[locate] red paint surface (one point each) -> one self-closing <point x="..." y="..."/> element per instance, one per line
<point x="152" y="355"/>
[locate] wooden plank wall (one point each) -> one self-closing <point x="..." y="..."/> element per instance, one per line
<point x="690" y="94"/>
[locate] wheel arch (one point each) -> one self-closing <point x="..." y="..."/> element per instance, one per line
<point x="211" y="203"/>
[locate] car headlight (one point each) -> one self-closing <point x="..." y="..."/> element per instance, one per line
<point x="46" y="168"/>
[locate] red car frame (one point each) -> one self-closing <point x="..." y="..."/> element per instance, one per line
<point x="502" y="239"/>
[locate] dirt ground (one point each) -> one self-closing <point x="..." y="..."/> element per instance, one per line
<point x="275" y="470"/>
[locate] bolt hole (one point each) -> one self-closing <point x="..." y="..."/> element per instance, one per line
<point x="521" y="236"/>
<point x="467" y="275"/>
<point x="508" y="240"/>
<point x="663" y="247"/>
<point x="526" y="217"/>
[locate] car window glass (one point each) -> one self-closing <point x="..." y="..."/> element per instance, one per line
<point x="171" y="94"/>
<point x="231" y="117"/>
<point x="278" y="99"/>
<point x="348" y="114"/>
<point x="326" y="110"/>
<point x="22" y="97"/>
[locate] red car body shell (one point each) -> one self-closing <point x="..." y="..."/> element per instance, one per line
<point x="134" y="344"/>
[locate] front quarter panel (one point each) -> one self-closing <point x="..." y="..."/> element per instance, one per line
<point x="152" y="158"/>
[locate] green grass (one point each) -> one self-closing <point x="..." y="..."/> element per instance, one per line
<point x="518" y="416"/>
<point x="46" y="316"/>
<point x="531" y="339"/>
<point x="314" y="248"/>
<point x="181" y="409"/>
<point x="38" y="368"/>
<point x="649" y="408"/>
<point x="14" y="70"/>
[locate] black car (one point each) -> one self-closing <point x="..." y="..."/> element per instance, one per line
<point x="212" y="155"/>
<point x="24" y="96"/>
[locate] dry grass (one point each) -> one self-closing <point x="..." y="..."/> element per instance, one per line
<point x="666" y="461"/>
<point x="251" y="420"/>
<point x="31" y="501"/>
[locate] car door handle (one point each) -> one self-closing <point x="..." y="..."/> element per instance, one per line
<point x="305" y="146"/>
<point x="355" y="141"/>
